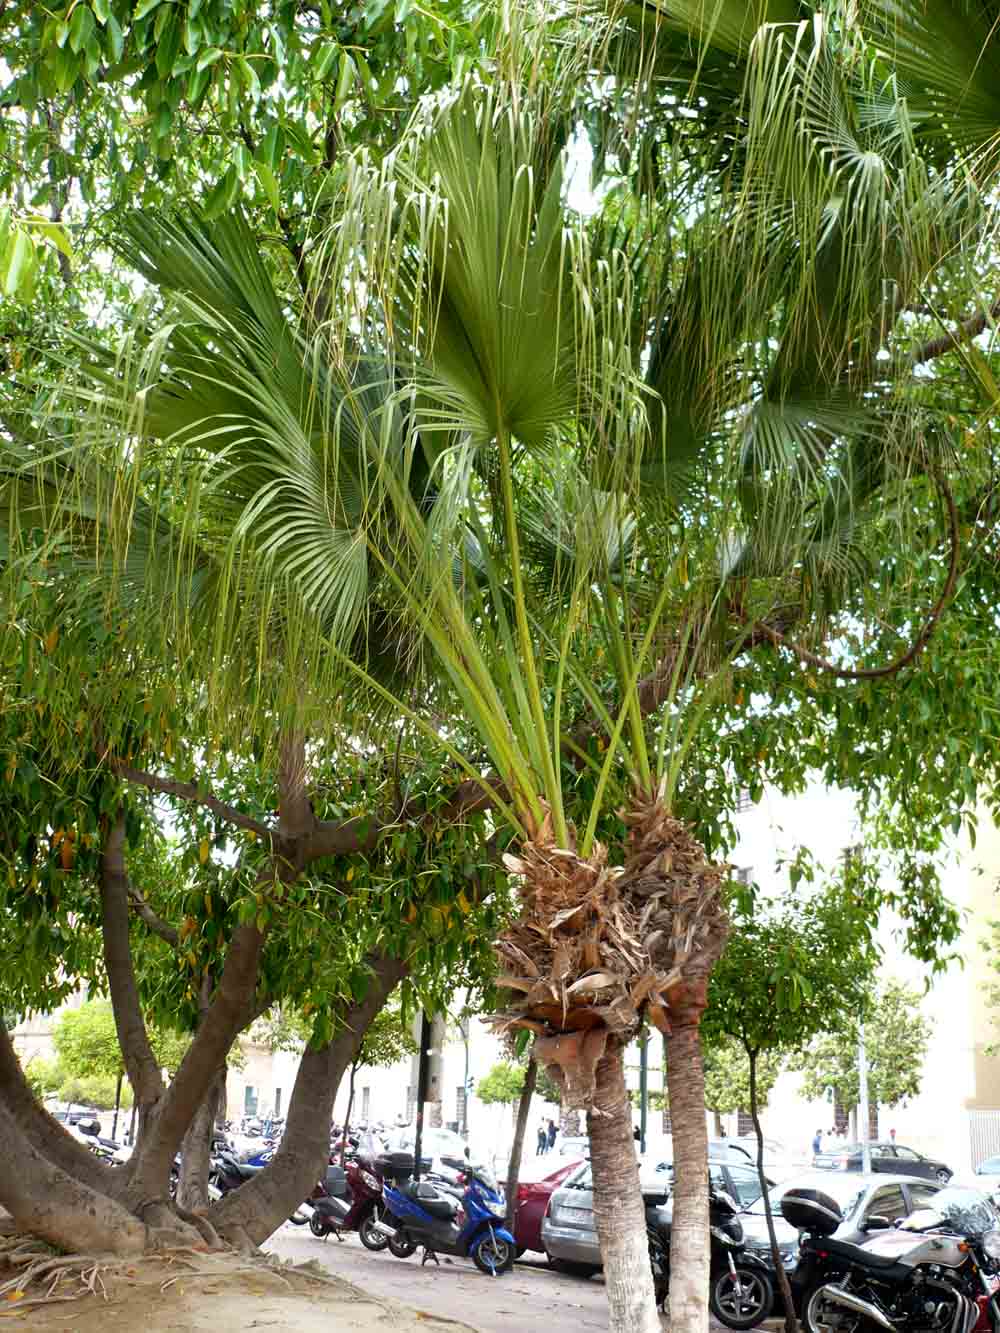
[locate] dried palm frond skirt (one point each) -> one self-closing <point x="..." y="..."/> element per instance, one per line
<point x="597" y="946"/>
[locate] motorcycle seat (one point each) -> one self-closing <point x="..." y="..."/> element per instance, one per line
<point x="856" y="1254"/>
<point x="423" y="1193"/>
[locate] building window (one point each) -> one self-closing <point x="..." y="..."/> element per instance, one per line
<point x="366" y="1104"/>
<point x="411" y="1102"/>
<point x="744" y="801"/>
<point x="249" y="1100"/>
<point x="744" y="875"/>
<point x="277" y="1103"/>
<point x="462" y="1109"/>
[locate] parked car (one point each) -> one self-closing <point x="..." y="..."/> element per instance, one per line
<point x="987" y="1176"/>
<point x="779" y="1161"/>
<point x="661" y="1147"/>
<point x="886" y="1156"/>
<point x="539" y="1176"/>
<point x="569" y="1232"/>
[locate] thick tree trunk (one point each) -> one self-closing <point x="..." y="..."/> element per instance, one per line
<point x="46" y="1134"/>
<point x="149" y="1167"/>
<point x="791" y="1323"/>
<point x="196" y="1149"/>
<point x="46" y="1201"/>
<point x="257" y="1208"/>
<point x="517" y="1147"/>
<point x="689" y="1247"/>
<point x="137" y="1053"/>
<point x="618" y="1206"/>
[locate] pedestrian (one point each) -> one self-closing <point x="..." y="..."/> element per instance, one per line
<point x="817" y="1143"/>
<point x="892" y="1135"/>
<point x="543" y="1140"/>
<point x="551" y="1136"/>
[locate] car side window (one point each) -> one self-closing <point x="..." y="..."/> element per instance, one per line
<point x="888" y="1202"/>
<point x="745" y="1183"/>
<point x="921" y="1196"/>
<point x="881" y="1150"/>
<point x="907" y="1154"/>
<point x="717" y="1176"/>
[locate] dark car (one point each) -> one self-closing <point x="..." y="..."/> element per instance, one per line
<point x="886" y="1156"/>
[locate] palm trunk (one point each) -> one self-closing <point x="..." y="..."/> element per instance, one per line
<point x="618" y="1205"/>
<point x="791" y="1323"/>
<point x="517" y="1147"/>
<point x="689" y="1247"/>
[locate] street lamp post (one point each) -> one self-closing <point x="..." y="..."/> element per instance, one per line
<point x="866" y="1152"/>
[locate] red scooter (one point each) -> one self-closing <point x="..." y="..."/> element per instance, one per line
<point x="350" y="1200"/>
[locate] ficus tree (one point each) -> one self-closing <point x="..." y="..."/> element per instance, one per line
<point x="791" y="970"/>
<point x="897" y="1032"/>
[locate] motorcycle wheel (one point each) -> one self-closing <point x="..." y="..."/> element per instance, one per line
<point x="400" y="1245"/>
<point x="493" y="1256"/>
<point x="316" y="1226"/>
<point x="814" y="1310"/>
<point x="742" y="1300"/>
<point x="369" y="1237"/>
<point x="298" y="1219"/>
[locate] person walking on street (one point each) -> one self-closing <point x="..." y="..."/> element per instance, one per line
<point x="817" y="1142"/>
<point x="543" y="1140"/>
<point x="551" y="1136"/>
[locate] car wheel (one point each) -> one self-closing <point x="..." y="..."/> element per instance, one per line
<point x="573" y="1268"/>
<point x="742" y="1299"/>
<point x="943" y="1176"/>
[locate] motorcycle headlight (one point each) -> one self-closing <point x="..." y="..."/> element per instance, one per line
<point x="371" y="1181"/>
<point x="991" y="1243"/>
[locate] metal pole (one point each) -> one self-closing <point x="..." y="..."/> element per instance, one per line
<point x="643" y="1087"/>
<point x="423" y="1076"/>
<point x="866" y="1152"/>
<point x="465" y="1099"/>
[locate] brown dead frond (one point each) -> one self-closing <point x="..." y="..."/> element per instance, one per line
<point x="596" y="947"/>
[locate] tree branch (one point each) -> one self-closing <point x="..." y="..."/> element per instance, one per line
<point x="919" y="643"/>
<point x="140" y="1062"/>
<point x="188" y="791"/>
<point x="948" y="341"/>
<point x="155" y="923"/>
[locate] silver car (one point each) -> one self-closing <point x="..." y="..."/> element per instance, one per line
<point x="569" y="1232"/>
<point x="860" y="1198"/>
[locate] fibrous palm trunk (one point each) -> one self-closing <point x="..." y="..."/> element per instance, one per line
<point x="597" y="949"/>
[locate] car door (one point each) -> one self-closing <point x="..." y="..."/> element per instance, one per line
<point x="883" y="1157"/>
<point x="910" y="1163"/>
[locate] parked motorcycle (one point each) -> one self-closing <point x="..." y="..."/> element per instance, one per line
<point x="741" y="1293"/>
<point x="938" y="1271"/>
<point x="422" y="1213"/>
<point x="228" y="1173"/>
<point x="350" y="1200"/>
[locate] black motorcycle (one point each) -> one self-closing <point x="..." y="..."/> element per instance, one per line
<point x="936" y="1272"/>
<point x="228" y="1173"/>
<point x="741" y="1293"/>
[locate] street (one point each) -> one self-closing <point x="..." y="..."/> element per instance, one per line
<point x="532" y="1296"/>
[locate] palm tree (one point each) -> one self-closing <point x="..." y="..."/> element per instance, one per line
<point x="575" y="475"/>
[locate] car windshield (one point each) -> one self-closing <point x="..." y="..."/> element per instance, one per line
<point x="843" y="1189"/>
<point x="965" y="1210"/>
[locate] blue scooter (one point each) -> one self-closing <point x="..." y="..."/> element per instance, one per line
<point x="425" y="1215"/>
